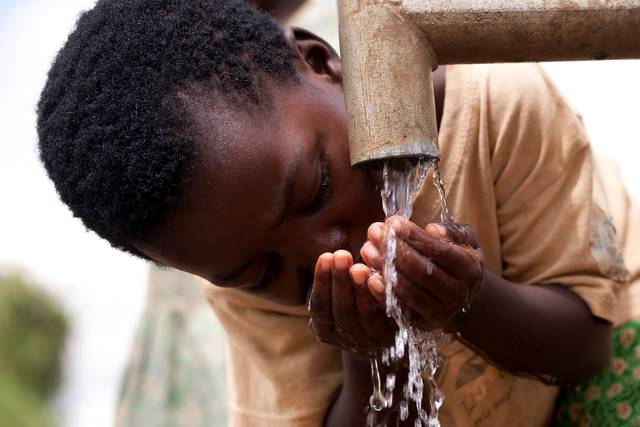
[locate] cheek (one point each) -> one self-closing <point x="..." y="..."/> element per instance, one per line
<point x="357" y="190"/>
<point x="358" y="198"/>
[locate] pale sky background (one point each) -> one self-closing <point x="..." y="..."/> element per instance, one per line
<point x="102" y="289"/>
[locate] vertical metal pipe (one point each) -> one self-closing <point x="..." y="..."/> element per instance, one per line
<point x="389" y="93"/>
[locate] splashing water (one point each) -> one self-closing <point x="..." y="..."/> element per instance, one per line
<point x="403" y="179"/>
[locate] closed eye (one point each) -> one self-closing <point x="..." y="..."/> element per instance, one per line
<point x="323" y="194"/>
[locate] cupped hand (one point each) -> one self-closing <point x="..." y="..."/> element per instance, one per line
<point x="439" y="269"/>
<point x="344" y="312"/>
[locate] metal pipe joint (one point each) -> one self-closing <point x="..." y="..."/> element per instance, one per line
<point x="390" y="48"/>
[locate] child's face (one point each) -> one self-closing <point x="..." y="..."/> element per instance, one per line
<point x="273" y="197"/>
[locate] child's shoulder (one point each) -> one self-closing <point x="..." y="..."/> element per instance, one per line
<point x="507" y="86"/>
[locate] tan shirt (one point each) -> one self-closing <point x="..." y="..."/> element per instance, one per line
<point x="517" y="166"/>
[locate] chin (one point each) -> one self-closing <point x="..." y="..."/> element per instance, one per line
<point x="299" y="298"/>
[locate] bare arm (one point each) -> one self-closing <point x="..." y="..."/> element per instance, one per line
<point x="545" y="331"/>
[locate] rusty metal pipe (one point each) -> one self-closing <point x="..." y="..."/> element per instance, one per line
<point x="389" y="48"/>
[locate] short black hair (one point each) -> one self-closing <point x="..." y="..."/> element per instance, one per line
<point x="112" y="132"/>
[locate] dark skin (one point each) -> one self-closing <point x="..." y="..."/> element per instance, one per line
<point x="279" y="9"/>
<point x="278" y="212"/>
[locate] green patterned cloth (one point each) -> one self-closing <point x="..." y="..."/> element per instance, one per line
<point x="176" y="375"/>
<point x="611" y="398"/>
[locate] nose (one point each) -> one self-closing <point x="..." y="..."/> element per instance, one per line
<point x="299" y="249"/>
<point x="306" y="248"/>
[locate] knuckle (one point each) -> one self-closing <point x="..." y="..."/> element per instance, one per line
<point x="472" y="240"/>
<point x="426" y="272"/>
<point x="456" y="233"/>
<point x="465" y="235"/>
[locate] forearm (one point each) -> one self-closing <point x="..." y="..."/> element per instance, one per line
<point x="544" y="330"/>
<point x="348" y="407"/>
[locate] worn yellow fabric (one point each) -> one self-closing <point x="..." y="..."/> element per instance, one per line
<point x="624" y="211"/>
<point x="517" y="166"/>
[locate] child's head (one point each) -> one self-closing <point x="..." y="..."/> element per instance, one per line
<point x="203" y="136"/>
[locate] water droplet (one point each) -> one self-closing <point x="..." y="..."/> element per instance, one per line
<point x="385" y="356"/>
<point x="391" y="382"/>
<point x="388" y="399"/>
<point x="377" y="400"/>
<point x="404" y="410"/>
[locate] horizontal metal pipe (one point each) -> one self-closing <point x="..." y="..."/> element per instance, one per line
<point x="477" y="31"/>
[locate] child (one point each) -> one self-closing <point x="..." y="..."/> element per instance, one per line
<point x="202" y="136"/>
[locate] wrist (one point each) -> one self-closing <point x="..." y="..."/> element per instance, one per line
<point x="465" y="316"/>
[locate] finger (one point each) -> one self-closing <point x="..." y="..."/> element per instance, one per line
<point x="375" y="233"/>
<point x="324" y="332"/>
<point x="450" y="256"/>
<point x="428" y="310"/>
<point x="320" y="300"/>
<point x="421" y="272"/>
<point x="343" y="298"/>
<point x="321" y="315"/>
<point x="359" y="273"/>
<point x="370" y="314"/>
<point x="461" y="234"/>
<point x="371" y="255"/>
<point x="375" y="284"/>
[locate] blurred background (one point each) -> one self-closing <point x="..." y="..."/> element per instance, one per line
<point x="95" y="296"/>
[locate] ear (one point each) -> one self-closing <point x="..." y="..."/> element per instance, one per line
<point x="313" y="54"/>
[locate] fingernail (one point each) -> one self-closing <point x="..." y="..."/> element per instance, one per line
<point x="341" y="262"/>
<point x="376" y="285"/>
<point x="375" y="231"/>
<point x="359" y="277"/>
<point x="437" y="230"/>
<point x="325" y="261"/>
<point x="369" y="251"/>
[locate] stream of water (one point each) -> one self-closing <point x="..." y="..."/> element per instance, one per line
<point x="403" y="178"/>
